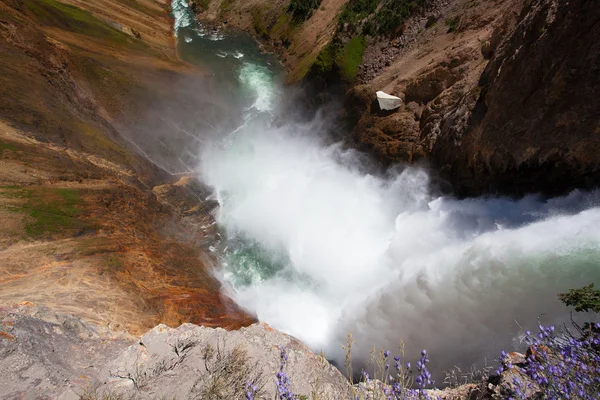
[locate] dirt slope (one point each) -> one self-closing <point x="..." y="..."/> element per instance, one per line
<point x="83" y="230"/>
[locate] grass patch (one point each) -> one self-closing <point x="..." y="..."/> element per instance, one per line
<point x="283" y="28"/>
<point x="258" y="22"/>
<point x="226" y="5"/>
<point x="74" y="19"/>
<point x="350" y="57"/>
<point x="7" y="146"/>
<point x="228" y="374"/>
<point x="343" y="59"/>
<point x="51" y="210"/>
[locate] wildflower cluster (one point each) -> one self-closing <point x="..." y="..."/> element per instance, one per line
<point x="251" y="391"/>
<point x="561" y="366"/>
<point x="397" y="383"/>
<point x="284" y="391"/>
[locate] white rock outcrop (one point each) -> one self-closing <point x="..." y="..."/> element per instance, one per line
<point x="387" y="101"/>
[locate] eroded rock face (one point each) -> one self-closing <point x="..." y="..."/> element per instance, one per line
<point x="48" y="355"/>
<point x="435" y="72"/>
<point x="536" y="125"/>
<point x="526" y="121"/>
<point x="44" y="354"/>
<point x="186" y="362"/>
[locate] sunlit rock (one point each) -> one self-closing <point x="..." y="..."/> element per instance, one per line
<point x="387" y="101"/>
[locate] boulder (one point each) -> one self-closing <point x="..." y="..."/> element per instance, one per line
<point x="388" y="102"/>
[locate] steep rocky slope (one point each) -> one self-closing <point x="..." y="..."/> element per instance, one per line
<point x="497" y="96"/>
<point x="90" y="225"/>
<point x="536" y="124"/>
<point x="298" y="43"/>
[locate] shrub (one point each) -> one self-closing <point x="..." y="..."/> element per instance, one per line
<point x="452" y="24"/>
<point x="357" y="10"/>
<point x="230" y="375"/>
<point x="585" y="299"/>
<point x="365" y="16"/>
<point x="393" y="14"/>
<point x="302" y="10"/>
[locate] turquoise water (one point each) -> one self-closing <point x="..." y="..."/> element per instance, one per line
<point x="232" y="57"/>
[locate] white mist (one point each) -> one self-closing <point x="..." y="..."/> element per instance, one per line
<point x="383" y="259"/>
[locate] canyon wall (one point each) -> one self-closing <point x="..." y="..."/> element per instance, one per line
<point x="91" y="225"/>
<point x="498" y="97"/>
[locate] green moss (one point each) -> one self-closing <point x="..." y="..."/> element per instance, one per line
<point x="303" y="68"/>
<point x="74" y="19"/>
<point x="301" y="10"/>
<point x="350" y="57"/>
<point x="324" y="63"/>
<point x="51" y="210"/>
<point x="7" y="146"/>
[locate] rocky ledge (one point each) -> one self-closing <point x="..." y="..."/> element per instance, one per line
<point x="48" y="355"/>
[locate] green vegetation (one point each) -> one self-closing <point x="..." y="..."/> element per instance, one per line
<point x="350" y="57"/>
<point x="357" y="10"/>
<point x="51" y="210"/>
<point x="325" y="61"/>
<point x="302" y="10"/>
<point x="226" y="5"/>
<point x="258" y="22"/>
<point x="74" y="19"/>
<point x="391" y="16"/>
<point x="583" y="300"/>
<point x="7" y="146"/>
<point x="230" y="374"/>
<point x="452" y="24"/>
<point x="342" y="58"/>
<point x="377" y="17"/>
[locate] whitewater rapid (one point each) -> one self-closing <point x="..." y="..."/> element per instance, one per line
<point x="318" y="248"/>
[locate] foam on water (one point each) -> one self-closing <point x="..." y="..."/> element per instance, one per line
<point x="319" y="249"/>
<point x="258" y="81"/>
<point x="182" y="15"/>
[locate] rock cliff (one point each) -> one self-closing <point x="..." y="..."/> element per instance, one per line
<point x="83" y="231"/>
<point x="498" y="96"/>
<point x="536" y="123"/>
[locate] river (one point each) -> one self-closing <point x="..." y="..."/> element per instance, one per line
<point x="318" y="248"/>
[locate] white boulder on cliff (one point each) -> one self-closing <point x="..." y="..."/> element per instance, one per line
<point x="387" y="101"/>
